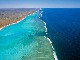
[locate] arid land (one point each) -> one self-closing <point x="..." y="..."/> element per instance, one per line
<point x="12" y="15"/>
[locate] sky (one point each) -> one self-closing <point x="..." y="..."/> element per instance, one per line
<point x="39" y="3"/>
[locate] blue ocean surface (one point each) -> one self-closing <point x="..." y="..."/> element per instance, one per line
<point x="64" y="31"/>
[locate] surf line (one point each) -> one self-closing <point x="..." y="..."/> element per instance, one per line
<point x="18" y="21"/>
<point x="54" y="53"/>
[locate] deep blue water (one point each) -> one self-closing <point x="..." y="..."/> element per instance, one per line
<point x="64" y="30"/>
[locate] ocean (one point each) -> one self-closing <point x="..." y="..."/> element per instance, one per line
<point x="63" y="26"/>
<point x="30" y="38"/>
<point x="26" y="40"/>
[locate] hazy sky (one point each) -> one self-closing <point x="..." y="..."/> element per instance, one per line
<point x="39" y="3"/>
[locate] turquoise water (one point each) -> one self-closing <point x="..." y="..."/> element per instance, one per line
<point x="25" y="41"/>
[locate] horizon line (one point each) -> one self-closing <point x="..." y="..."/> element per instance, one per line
<point x="37" y="7"/>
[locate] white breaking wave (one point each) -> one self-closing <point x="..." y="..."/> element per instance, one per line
<point x="54" y="53"/>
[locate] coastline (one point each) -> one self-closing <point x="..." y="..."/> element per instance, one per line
<point x="54" y="54"/>
<point x="17" y="21"/>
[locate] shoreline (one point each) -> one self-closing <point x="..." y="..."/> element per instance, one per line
<point x="54" y="53"/>
<point x="17" y="21"/>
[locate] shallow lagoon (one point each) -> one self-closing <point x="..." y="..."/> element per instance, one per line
<point x="25" y="40"/>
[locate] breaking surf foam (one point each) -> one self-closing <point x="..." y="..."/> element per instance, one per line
<point x="54" y="53"/>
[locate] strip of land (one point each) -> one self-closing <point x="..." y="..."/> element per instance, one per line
<point x="12" y="15"/>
